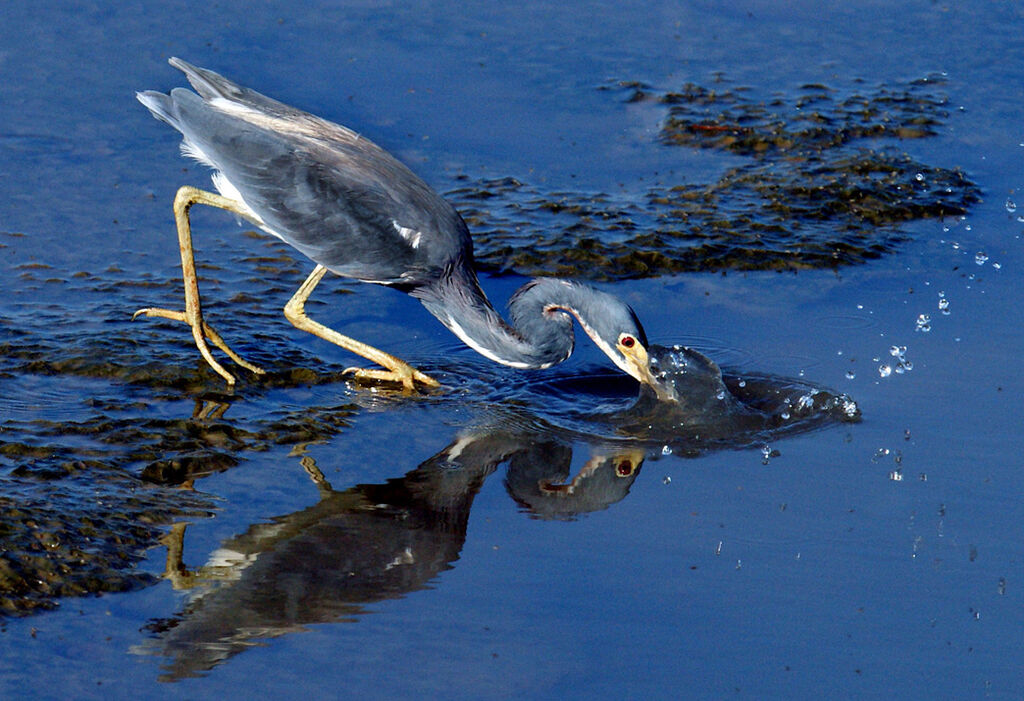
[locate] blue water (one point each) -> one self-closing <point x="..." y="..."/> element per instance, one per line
<point x="877" y="559"/>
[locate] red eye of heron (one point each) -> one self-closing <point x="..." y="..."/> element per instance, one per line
<point x="628" y="341"/>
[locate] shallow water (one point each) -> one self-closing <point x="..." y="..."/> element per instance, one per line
<point x="506" y="535"/>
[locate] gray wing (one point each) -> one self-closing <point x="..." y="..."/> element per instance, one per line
<point x="336" y="197"/>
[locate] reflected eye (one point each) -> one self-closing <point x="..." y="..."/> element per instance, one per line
<point x="627" y="341"/>
<point x="624" y="468"/>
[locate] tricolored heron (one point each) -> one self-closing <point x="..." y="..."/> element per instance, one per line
<point x="353" y="209"/>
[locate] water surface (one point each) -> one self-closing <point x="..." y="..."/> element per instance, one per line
<point x="525" y="548"/>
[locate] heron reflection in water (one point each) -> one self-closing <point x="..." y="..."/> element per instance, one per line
<point x="355" y="211"/>
<point x="372" y="542"/>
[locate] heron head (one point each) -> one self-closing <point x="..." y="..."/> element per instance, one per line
<point x="618" y="333"/>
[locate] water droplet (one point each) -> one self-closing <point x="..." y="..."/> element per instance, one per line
<point x="884" y="370"/>
<point x="666" y="450"/>
<point x="785" y="416"/>
<point x="896" y="475"/>
<point x="919" y="177"/>
<point x="742" y="383"/>
<point x="720" y="396"/>
<point x="924" y="323"/>
<point x="944" y="306"/>
<point x="850" y="374"/>
<point x="997" y="266"/>
<point x="1011" y="206"/>
<point x="980" y="258"/>
<point x="666" y="480"/>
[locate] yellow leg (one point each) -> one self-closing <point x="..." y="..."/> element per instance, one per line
<point x="175" y="569"/>
<point x="397" y="370"/>
<point x="193" y="315"/>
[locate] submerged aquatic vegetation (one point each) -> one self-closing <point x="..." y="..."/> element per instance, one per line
<point x="89" y="484"/>
<point x="825" y="183"/>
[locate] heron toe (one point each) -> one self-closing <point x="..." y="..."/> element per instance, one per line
<point x="200" y="336"/>
<point x="406" y="375"/>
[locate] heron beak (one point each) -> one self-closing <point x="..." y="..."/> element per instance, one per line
<point x="638" y="364"/>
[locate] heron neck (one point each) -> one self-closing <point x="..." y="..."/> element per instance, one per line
<point x="535" y="339"/>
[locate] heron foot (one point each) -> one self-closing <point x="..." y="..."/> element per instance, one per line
<point x="201" y="334"/>
<point x="403" y="374"/>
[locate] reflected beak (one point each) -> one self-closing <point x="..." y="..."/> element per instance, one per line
<point x="638" y="364"/>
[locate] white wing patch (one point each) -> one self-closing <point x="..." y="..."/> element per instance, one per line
<point x="190" y="150"/>
<point x="227" y="188"/>
<point x="456" y="450"/>
<point x="221" y="183"/>
<point x="411" y="236"/>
